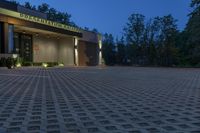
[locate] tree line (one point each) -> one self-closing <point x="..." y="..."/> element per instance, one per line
<point x="156" y="42"/>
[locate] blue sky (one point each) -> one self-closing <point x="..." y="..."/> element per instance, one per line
<point x="111" y="15"/>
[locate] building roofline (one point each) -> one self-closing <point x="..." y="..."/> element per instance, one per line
<point x="14" y="7"/>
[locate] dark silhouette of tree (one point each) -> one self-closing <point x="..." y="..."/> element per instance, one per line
<point x="29" y="6"/>
<point x="121" y="52"/>
<point x="193" y="34"/>
<point x="168" y="53"/>
<point x="44" y="8"/>
<point x="134" y="33"/>
<point x="108" y="49"/>
<point x="152" y="42"/>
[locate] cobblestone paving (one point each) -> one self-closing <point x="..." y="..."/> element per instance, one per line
<point x="100" y="100"/>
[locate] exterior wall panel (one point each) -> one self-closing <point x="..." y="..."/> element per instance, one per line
<point x="53" y="50"/>
<point x="88" y="55"/>
<point x="45" y="49"/>
<point x="66" y="51"/>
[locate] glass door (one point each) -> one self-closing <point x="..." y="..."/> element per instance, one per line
<point x="26" y="51"/>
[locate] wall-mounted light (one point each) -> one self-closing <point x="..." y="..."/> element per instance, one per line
<point x="36" y="34"/>
<point x="76" y="50"/>
<point x="24" y="32"/>
<point x="100" y="52"/>
<point x="100" y="44"/>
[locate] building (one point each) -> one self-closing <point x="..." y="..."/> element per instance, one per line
<point x="29" y="34"/>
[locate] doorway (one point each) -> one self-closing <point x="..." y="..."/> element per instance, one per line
<point x="23" y="46"/>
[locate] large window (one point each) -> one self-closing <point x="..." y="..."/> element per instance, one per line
<point x="10" y="38"/>
<point x="26" y="47"/>
<point x="1" y="38"/>
<point x="16" y="43"/>
<point x="23" y="46"/>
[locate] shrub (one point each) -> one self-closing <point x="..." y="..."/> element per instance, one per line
<point x="3" y="62"/>
<point x="37" y="64"/>
<point x="52" y="64"/>
<point x="27" y="63"/>
<point x="10" y="63"/>
<point x="19" y="62"/>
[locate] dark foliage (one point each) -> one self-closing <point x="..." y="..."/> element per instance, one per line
<point x="157" y="42"/>
<point x="109" y="52"/>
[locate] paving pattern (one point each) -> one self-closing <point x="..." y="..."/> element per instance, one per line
<point x="100" y="100"/>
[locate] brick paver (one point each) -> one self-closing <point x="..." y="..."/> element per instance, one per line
<point x="100" y="100"/>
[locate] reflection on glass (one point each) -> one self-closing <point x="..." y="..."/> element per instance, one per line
<point x="10" y="39"/>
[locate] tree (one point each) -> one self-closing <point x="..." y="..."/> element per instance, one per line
<point x="121" y="51"/>
<point x="86" y="28"/>
<point x="134" y="29"/>
<point x="193" y="33"/>
<point x="94" y="30"/>
<point x="44" y="8"/>
<point x="134" y="33"/>
<point x="108" y="49"/>
<point x="169" y="33"/>
<point x="51" y="15"/>
<point x="150" y="39"/>
<point x="29" y="6"/>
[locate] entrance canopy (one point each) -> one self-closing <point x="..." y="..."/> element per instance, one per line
<point x="25" y="20"/>
<point x="39" y="32"/>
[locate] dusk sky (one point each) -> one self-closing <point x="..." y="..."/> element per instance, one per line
<point x="111" y="15"/>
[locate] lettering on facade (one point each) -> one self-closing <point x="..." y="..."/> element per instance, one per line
<point x="48" y="22"/>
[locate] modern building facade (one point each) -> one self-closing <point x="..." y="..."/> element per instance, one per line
<point x="29" y="34"/>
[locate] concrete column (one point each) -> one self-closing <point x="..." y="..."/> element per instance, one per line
<point x="76" y="62"/>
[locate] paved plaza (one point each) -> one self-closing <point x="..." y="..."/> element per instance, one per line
<point x="100" y="100"/>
